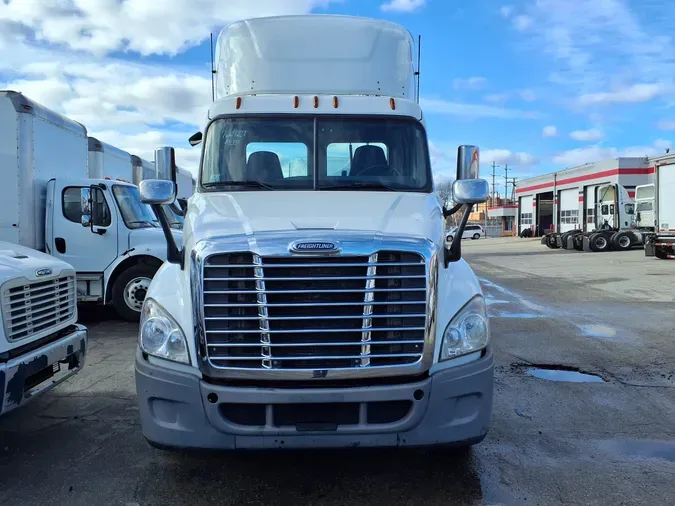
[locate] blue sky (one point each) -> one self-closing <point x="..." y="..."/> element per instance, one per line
<point x="537" y="84"/>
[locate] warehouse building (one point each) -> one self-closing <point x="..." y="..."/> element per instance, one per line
<point x="565" y="200"/>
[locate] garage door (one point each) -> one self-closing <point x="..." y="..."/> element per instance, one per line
<point x="568" y="200"/>
<point x="526" y="212"/>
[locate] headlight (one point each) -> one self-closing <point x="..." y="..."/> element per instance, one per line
<point x="160" y="335"/>
<point x="468" y="331"/>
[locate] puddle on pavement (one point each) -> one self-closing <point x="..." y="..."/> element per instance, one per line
<point x="563" y="375"/>
<point x="597" y="331"/>
<point x="506" y="314"/>
<point x="664" y="450"/>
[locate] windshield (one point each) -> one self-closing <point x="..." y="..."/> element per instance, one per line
<point x="281" y="153"/>
<point x="175" y="221"/>
<point x="134" y="213"/>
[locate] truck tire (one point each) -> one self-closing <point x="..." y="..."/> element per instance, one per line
<point x="129" y="290"/>
<point x="564" y="237"/>
<point x="552" y="241"/>
<point x="622" y="241"/>
<point x="599" y="242"/>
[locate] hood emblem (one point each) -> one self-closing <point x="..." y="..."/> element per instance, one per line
<point x="45" y="271"/>
<point x="314" y="247"/>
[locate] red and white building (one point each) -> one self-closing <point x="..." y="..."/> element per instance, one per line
<point x="565" y="200"/>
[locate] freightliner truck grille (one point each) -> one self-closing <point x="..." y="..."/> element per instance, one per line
<point x="30" y="308"/>
<point x="324" y="312"/>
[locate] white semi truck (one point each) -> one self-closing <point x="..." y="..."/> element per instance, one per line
<point x="661" y="243"/>
<point x="46" y="164"/>
<point x="41" y="343"/>
<point x="315" y="307"/>
<point x="615" y="225"/>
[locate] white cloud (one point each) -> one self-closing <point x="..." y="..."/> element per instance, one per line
<point x="590" y="154"/>
<point x="402" y="5"/>
<point x="506" y="10"/>
<point x="496" y="98"/>
<point x="522" y="22"/>
<point x="474" y="110"/>
<point x="606" y="45"/>
<point x="630" y="94"/>
<point x="528" y="95"/>
<point x="103" y="26"/>
<point x="549" y="131"/>
<point x="666" y="124"/>
<point x="471" y="83"/>
<point x="590" y="135"/>
<point x="504" y="156"/>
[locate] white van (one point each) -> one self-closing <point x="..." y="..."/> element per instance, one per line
<point x="472" y="231"/>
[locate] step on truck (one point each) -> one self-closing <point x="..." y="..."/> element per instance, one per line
<point x="41" y="345"/>
<point x="615" y="226"/>
<point x="315" y="301"/>
<point x="116" y="246"/>
<point x="661" y="242"/>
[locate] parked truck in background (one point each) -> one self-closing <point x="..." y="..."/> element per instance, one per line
<point x="41" y="343"/>
<point x="661" y="242"/>
<point x="615" y="226"/>
<point x="45" y="166"/>
<point x="355" y="324"/>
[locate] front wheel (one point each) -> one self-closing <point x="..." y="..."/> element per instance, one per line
<point x="475" y="236"/>
<point x="130" y="289"/>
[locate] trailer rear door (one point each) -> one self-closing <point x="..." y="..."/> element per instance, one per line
<point x="666" y="202"/>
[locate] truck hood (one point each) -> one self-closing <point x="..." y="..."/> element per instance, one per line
<point x="250" y="213"/>
<point x="18" y="261"/>
<point x="151" y="240"/>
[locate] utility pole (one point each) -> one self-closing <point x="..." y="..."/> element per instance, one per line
<point x="506" y="179"/>
<point x="494" y="167"/>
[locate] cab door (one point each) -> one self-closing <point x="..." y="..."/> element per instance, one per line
<point x="89" y="249"/>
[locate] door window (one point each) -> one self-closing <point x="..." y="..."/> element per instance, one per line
<point x="72" y="207"/>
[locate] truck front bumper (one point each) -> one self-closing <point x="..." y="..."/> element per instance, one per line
<point x="27" y="374"/>
<point x="180" y="410"/>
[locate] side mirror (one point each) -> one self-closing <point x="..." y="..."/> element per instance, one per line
<point x="468" y="162"/>
<point x="85" y="205"/>
<point x="470" y="191"/>
<point x="165" y="163"/>
<point x="157" y="192"/>
<point x="195" y="139"/>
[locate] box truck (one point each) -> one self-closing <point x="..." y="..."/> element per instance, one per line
<point x="309" y="305"/>
<point x="116" y="253"/>
<point x="661" y="243"/>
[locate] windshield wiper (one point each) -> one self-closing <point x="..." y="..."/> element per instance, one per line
<point x="250" y="184"/>
<point x="144" y="222"/>
<point x="363" y="185"/>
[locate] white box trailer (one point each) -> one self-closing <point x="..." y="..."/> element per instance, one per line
<point x="45" y="163"/>
<point x="661" y="243"/>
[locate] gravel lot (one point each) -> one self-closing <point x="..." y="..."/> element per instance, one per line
<point x="610" y="441"/>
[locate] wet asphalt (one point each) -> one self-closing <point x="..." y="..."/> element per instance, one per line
<point x="584" y="410"/>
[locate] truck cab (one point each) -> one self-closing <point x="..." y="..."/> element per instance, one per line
<point x="314" y="301"/>
<point x="41" y="344"/>
<point x="113" y="241"/>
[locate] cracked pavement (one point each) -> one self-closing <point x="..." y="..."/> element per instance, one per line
<point x="610" y="442"/>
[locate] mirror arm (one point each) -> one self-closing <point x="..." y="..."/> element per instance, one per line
<point x="450" y="212"/>
<point x="173" y="254"/>
<point x="454" y="252"/>
<point x="176" y="209"/>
